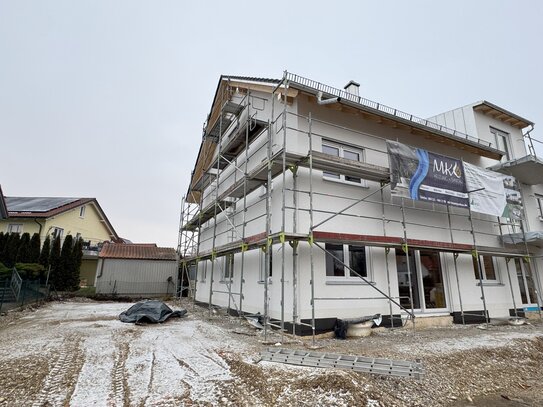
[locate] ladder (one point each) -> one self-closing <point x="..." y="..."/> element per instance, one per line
<point x="378" y="366"/>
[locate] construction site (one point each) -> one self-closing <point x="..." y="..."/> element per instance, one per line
<point x="294" y="213"/>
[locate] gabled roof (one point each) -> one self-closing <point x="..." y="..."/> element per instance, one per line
<point x="3" y="206"/>
<point x="137" y="252"/>
<point x="46" y="207"/>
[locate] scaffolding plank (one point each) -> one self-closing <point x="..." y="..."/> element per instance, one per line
<point x="380" y="366"/>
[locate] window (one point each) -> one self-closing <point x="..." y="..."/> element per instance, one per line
<point x="338" y="256"/>
<point x="204" y="271"/>
<point x="501" y="142"/>
<point x="57" y="232"/>
<point x="342" y="151"/>
<point x="228" y="267"/>
<point x="15" y="228"/>
<point x="263" y="264"/>
<point x="488" y="268"/>
<point x="82" y="211"/>
<point x="539" y="199"/>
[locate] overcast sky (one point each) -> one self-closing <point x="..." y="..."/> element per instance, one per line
<point x="107" y="98"/>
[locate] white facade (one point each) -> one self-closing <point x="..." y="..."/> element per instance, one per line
<point x="369" y="232"/>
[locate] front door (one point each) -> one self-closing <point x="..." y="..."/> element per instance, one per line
<point x="426" y="280"/>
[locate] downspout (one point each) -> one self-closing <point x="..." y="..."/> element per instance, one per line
<point x="527" y="135"/>
<point x="40" y="225"/>
<point x="326" y="101"/>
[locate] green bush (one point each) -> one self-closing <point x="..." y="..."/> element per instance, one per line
<point x="30" y="271"/>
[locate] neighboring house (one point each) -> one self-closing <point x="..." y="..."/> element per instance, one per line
<point x="137" y="270"/>
<point x="290" y="200"/>
<point x="3" y="207"/>
<point x="79" y="217"/>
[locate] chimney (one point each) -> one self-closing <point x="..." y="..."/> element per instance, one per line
<point x="353" y="88"/>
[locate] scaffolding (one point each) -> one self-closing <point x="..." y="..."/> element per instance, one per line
<point x="216" y="208"/>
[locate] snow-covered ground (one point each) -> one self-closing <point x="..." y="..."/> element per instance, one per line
<point x="107" y="362"/>
<point x="78" y="353"/>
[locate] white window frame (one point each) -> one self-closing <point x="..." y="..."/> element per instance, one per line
<point x="227" y="269"/>
<point x="18" y="226"/>
<point x="482" y="270"/>
<point x="262" y="265"/>
<point x="82" y="211"/>
<point x="204" y="271"/>
<point x="347" y="277"/>
<point x="56" y="230"/>
<point x="342" y="150"/>
<point x="506" y="142"/>
<point x="539" y="199"/>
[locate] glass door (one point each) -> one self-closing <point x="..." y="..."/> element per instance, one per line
<point x="404" y="273"/>
<point x="432" y="280"/>
<point x="426" y="280"/>
<point x="525" y="282"/>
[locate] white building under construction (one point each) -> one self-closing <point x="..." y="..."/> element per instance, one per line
<point x="290" y="212"/>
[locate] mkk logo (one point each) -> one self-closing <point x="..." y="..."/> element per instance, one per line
<point x="449" y="169"/>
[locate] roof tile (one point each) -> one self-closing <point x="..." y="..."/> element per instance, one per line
<point x="137" y="252"/>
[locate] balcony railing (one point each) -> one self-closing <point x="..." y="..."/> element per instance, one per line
<point x="331" y="91"/>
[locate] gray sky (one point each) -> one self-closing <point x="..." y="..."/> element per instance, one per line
<point x="107" y="98"/>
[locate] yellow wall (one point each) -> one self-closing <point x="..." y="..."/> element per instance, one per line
<point x="88" y="271"/>
<point x="90" y="226"/>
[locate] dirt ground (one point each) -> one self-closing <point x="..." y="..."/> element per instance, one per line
<point x="78" y="353"/>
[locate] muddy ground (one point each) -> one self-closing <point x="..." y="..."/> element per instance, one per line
<point x="78" y="353"/>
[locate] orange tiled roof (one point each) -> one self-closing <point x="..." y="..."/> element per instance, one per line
<point x="137" y="252"/>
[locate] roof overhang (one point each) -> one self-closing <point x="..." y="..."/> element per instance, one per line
<point x="528" y="169"/>
<point x="396" y="118"/>
<point x="502" y="114"/>
<point x="3" y="207"/>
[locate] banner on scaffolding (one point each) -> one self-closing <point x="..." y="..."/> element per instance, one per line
<point x="493" y="193"/>
<point x="418" y="174"/>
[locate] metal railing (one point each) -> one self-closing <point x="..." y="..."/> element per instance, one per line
<point x="329" y="90"/>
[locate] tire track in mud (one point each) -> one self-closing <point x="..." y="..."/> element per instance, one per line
<point x="202" y="372"/>
<point x="59" y="383"/>
<point x="120" y="395"/>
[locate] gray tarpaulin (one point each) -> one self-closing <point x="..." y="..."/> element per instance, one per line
<point x="530" y="237"/>
<point x="151" y="311"/>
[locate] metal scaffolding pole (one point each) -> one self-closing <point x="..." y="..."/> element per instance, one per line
<point x="294" y="245"/>
<point x="477" y="261"/>
<point x="268" y="232"/>
<point x="405" y="248"/>
<point x="312" y="277"/>
<point x="387" y="251"/>
<point x="244" y="217"/>
<point x="283" y="210"/>
<point x="507" y="259"/>
<point x="216" y="202"/>
<point x="455" y="258"/>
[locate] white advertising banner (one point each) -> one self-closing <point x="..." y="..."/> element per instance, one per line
<point x="495" y="194"/>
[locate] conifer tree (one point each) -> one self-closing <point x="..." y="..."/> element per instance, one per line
<point x="2" y="244"/>
<point x="45" y="251"/>
<point x="55" y="277"/>
<point x="12" y="247"/>
<point x="23" y="252"/>
<point x="34" y="250"/>
<point x="77" y="258"/>
<point x="66" y="263"/>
